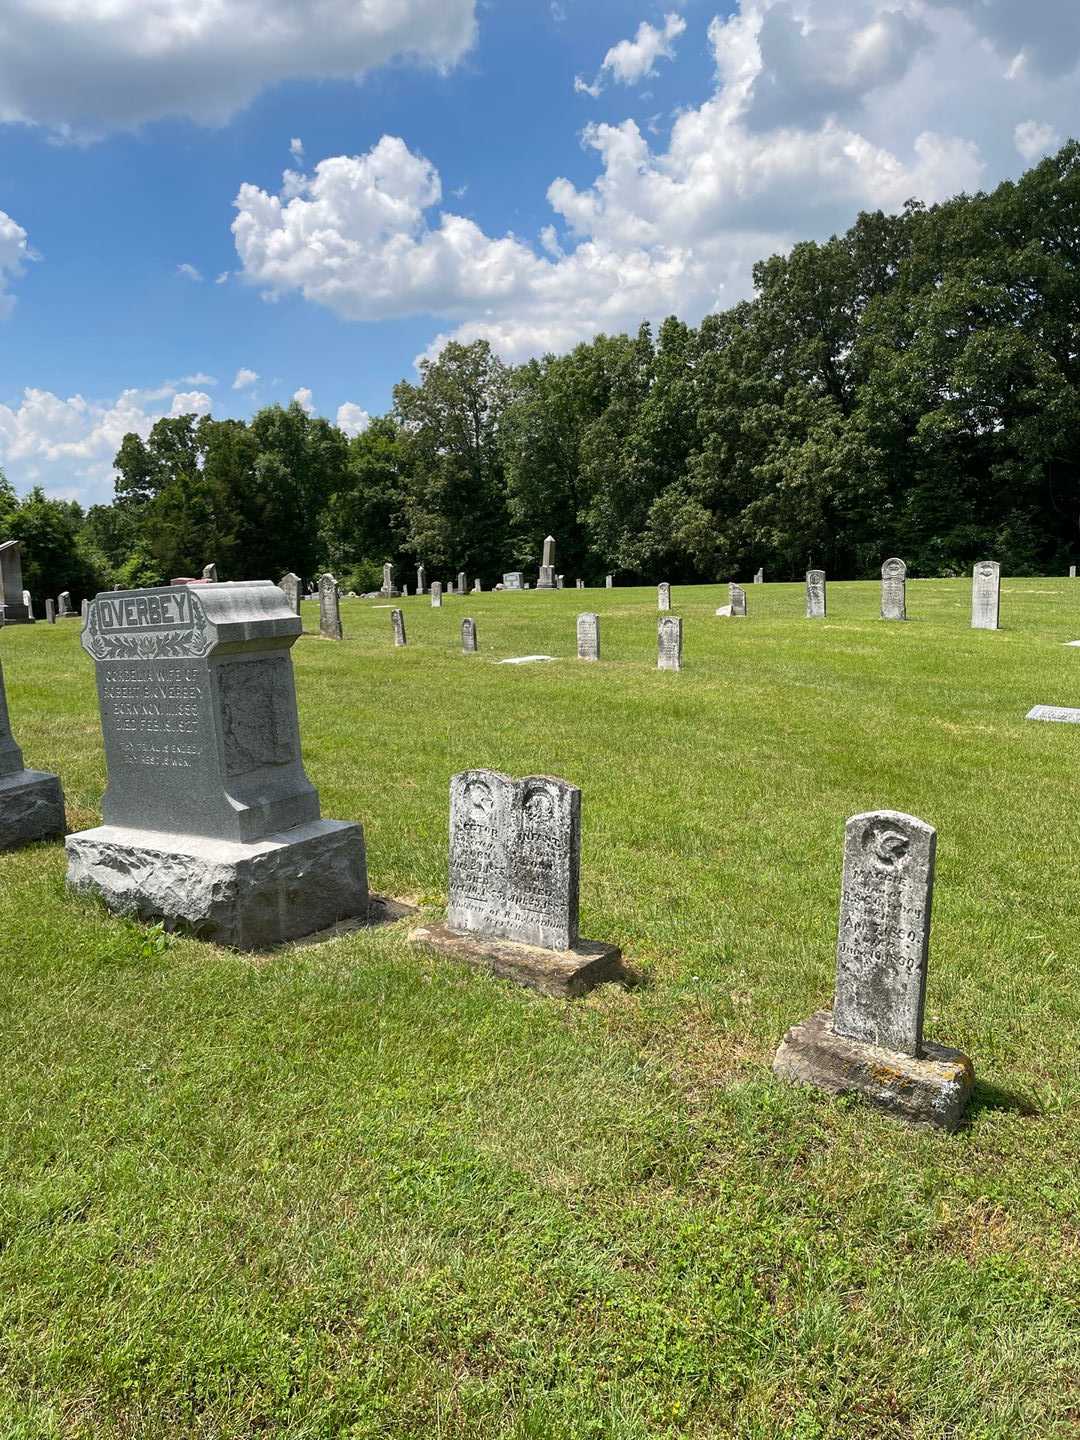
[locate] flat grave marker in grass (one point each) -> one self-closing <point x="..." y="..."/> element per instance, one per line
<point x="872" y="1041"/>
<point x="1056" y="714"/>
<point x="210" y="821"/>
<point x="515" y="859"/>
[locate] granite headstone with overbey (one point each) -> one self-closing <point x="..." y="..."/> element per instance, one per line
<point x="816" y="601"/>
<point x="209" y="819"/>
<point x="468" y="636"/>
<point x="329" y="608"/>
<point x="13" y="601"/>
<point x="669" y="643"/>
<point x="986" y="595"/>
<point x="31" y="801"/>
<point x="871" y="1043"/>
<point x="588" y="636"/>
<point x="436" y="594"/>
<point x="397" y="621"/>
<point x="894" y="590"/>
<point x="663" y="596"/>
<point x="515" y="858"/>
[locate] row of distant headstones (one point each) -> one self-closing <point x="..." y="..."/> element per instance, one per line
<point x="985" y="610"/>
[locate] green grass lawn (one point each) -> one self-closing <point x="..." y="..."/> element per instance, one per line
<point x="353" y="1190"/>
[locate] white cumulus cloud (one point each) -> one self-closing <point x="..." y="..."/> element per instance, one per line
<point x="820" y="108"/>
<point x="1033" y="140"/>
<point x="632" y="60"/>
<point x="14" y="253"/>
<point x="302" y="397"/>
<point x="68" y="445"/>
<point x="245" y="378"/>
<point x="352" y="419"/>
<point x="84" y="67"/>
<point x="189" y="271"/>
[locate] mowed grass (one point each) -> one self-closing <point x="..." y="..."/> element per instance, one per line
<point x="355" y="1190"/>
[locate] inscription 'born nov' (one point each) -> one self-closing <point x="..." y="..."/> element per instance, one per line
<point x="883" y="940"/>
<point x="515" y="858"/>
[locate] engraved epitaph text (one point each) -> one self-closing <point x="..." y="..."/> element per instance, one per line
<point x="884" y="933"/>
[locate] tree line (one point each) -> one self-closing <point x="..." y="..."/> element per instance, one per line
<point x="910" y="387"/>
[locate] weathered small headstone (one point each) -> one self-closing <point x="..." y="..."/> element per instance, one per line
<point x="397" y="620"/>
<point x="448" y="588"/>
<point x="546" y="580"/>
<point x="477" y="587"/>
<point x="1072" y="572"/>
<point x="737" y="598"/>
<point x="560" y="581"/>
<point x="462" y="582"/>
<point x="609" y="582"/>
<point x="12" y="599"/>
<point x="759" y="577"/>
<point x="513" y="580"/>
<point x="389" y="589"/>
<point x="588" y="637"/>
<point x="28" y="602"/>
<point x="816" y="603"/>
<point x="329" y="608"/>
<point x="31" y="801"/>
<point x="872" y="1041"/>
<point x="894" y="590"/>
<point x="468" y="636"/>
<point x="85" y="609"/>
<point x="290" y="585"/>
<point x="405" y="591"/>
<point x="209" y="573"/>
<point x="986" y="595"/>
<point x="436" y="594"/>
<point x="1056" y="714"/>
<point x="580" y="584"/>
<point x="663" y="596"/>
<point x="50" y="612"/>
<point x="209" y="819"/>
<point x="669" y="643"/>
<point x="63" y="605"/>
<point x="421" y="579"/>
<point x="515" y="858"/>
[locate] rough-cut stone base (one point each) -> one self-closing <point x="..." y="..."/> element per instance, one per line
<point x="31" y="808"/>
<point x="564" y="974"/>
<point x="933" y="1090"/>
<point x="250" y="897"/>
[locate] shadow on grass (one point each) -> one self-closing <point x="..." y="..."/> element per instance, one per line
<point x="987" y="1097"/>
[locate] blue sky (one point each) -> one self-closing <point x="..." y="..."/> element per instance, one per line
<point x="532" y="172"/>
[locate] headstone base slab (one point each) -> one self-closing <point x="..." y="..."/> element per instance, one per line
<point x="17" y="615"/>
<point x="245" y="896"/>
<point x="933" y="1090"/>
<point x="561" y="974"/>
<point x="31" y="808"/>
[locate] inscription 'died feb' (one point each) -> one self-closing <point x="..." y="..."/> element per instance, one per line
<point x="514" y="858"/>
<point x="884" y="931"/>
